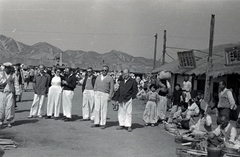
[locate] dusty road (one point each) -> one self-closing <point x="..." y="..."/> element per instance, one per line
<point x="55" y="138"/>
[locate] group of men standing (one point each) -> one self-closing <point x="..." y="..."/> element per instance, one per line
<point x="98" y="92"/>
<point x="41" y="84"/>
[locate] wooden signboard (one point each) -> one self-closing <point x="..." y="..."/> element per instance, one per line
<point x="186" y="60"/>
<point x="232" y="56"/>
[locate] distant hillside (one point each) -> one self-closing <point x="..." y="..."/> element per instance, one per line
<point x="47" y="54"/>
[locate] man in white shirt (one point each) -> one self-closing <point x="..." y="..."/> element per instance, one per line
<point x="226" y="101"/>
<point x="187" y="87"/>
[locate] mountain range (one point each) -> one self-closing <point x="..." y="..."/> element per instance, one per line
<point x="47" y="54"/>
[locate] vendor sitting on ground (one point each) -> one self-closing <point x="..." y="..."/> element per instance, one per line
<point x="224" y="132"/>
<point x="192" y="110"/>
<point x="204" y="124"/>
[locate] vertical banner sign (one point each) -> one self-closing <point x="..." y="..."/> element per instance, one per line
<point x="186" y="60"/>
<point x="232" y="56"/>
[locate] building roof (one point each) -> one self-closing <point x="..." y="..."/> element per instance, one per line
<point x="219" y="64"/>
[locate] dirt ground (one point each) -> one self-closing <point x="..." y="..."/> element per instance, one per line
<point x="55" y="138"/>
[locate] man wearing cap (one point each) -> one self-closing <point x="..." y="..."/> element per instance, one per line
<point x="7" y="110"/>
<point x="88" y="95"/>
<point x="40" y="87"/>
<point x="126" y="92"/>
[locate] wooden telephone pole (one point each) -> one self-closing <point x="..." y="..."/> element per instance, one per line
<point x="155" y="52"/>
<point x="164" y="46"/>
<point x="209" y="65"/>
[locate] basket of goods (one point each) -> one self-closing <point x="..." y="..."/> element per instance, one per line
<point x="178" y="137"/>
<point x="165" y="75"/>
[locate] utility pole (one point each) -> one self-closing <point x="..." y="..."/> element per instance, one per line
<point x="155" y="51"/>
<point x="209" y="65"/>
<point x="164" y="46"/>
<point x="60" y="61"/>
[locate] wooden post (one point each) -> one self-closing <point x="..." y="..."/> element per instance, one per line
<point x="164" y="47"/>
<point x="155" y="52"/>
<point x="207" y="91"/>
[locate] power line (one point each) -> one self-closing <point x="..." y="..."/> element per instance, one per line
<point x="170" y="56"/>
<point x="82" y="33"/>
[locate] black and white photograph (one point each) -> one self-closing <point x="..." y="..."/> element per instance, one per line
<point x="119" y="78"/>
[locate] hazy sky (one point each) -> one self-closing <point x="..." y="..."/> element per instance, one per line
<point x="125" y="25"/>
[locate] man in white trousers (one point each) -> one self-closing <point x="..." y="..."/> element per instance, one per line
<point x="88" y="95"/>
<point x="103" y="93"/>
<point x="69" y="84"/>
<point x="40" y="87"/>
<point x="126" y="92"/>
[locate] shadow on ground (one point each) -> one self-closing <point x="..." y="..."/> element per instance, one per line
<point x="111" y="124"/>
<point x="20" y="111"/>
<point x="76" y="117"/>
<point x="137" y="125"/>
<point x="21" y="122"/>
<point x="26" y="100"/>
<point x="116" y="123"/>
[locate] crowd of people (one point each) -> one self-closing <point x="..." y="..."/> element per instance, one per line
<point x="55" y="87"/>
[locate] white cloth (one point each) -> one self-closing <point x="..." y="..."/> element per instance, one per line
<point x="100" y="109"/>
<point x="103" y="77"/>
<point x="54" y="97"/>
<point x="150" y="113"/>
<point x="201" y="122"/>
<point x="7" y="110"/>
<point x="194" y="107"/>
<point x="88" y="104"/>
<point x="125" y="113"/>
<point x="18" y="87"/>
<point x="37" y="105"/>
<point x="67" y="96"/>
<point x="187" y="86"/>
<point x="193" y="110"/>
<point x="162" y="107"/>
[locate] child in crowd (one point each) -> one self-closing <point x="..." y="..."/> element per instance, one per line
<point x="141" y="93"/>
<point x="150" y="112"/>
